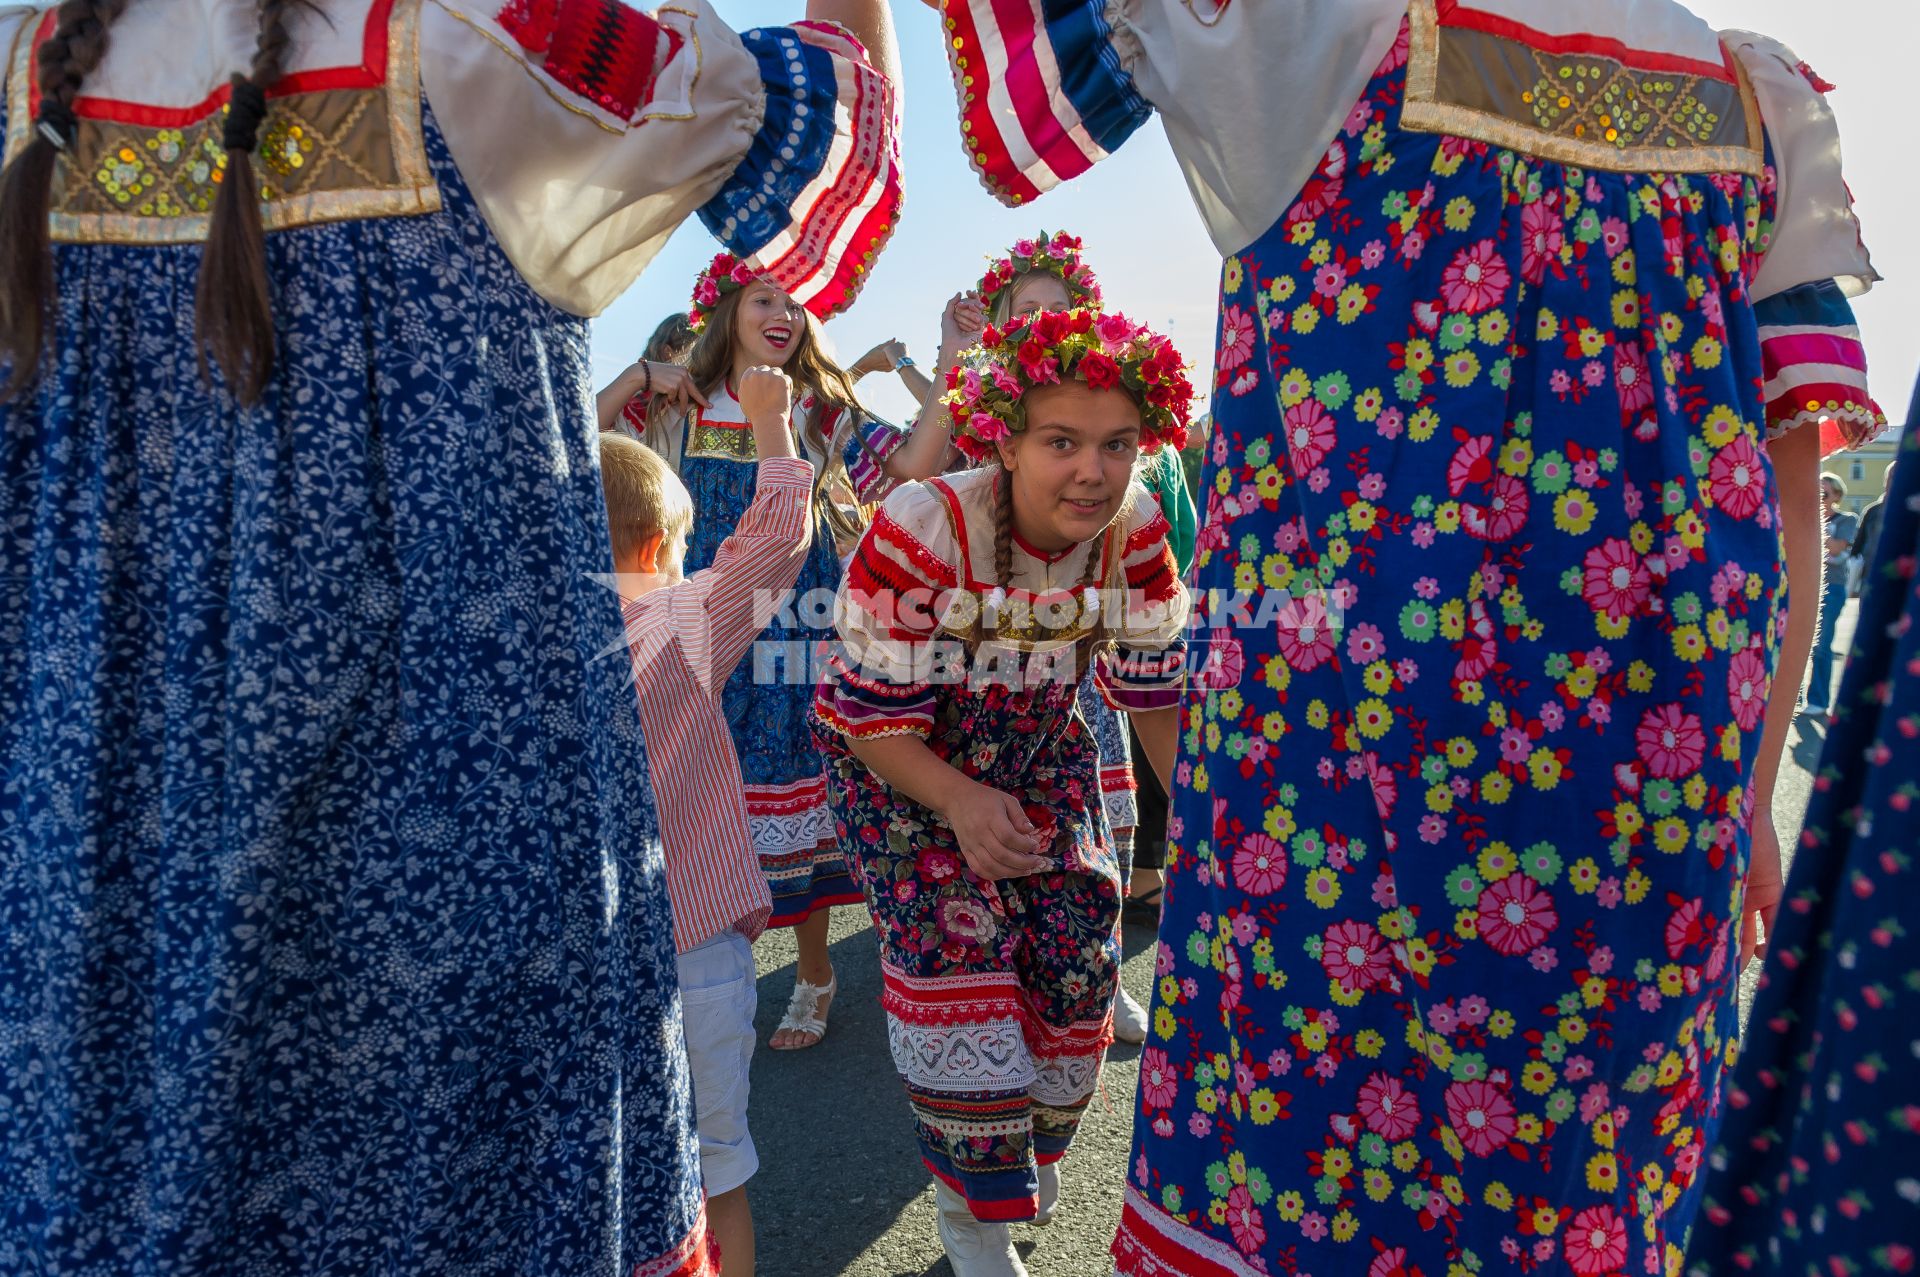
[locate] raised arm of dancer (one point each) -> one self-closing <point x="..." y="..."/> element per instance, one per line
<point x="924" y="452"/>
<point x="871" y="22"/>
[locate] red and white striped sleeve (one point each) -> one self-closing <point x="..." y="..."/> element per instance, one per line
<point x="879" y="680"/>
<point x="1148" y="669"/>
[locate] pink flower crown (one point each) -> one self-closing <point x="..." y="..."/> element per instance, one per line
<point x="987" y="389"/>
<point x="1058" y="255"/>
<point x="724" y="274"/>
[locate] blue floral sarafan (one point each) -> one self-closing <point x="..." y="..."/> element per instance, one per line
<point x="1447" y="963"/>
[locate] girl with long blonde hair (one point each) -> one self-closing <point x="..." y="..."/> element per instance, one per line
<point x="744" y="321"/>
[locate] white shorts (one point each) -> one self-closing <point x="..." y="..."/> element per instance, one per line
<point x="718" y="997"/>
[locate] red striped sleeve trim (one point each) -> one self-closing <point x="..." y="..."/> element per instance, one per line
<point x="983" y="139"/>
<point x="931" y="566"/>
<point x="826" y="256"/>
<point x="1154" y="529"/>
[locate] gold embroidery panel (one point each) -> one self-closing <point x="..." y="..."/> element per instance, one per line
<point x="722" y="441"/>
<point x="331" y="155"/>
<point x="1581" y="109"/>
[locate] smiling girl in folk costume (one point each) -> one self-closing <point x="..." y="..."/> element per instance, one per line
<point x="744" y="321"/>
<point x="966" y="779"/>
<point x="1049" y="272"/>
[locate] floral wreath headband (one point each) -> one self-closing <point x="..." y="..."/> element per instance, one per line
<point x="724" y="274"/>
<point x="1057" y="255"/>
<point x="986" y="391"/>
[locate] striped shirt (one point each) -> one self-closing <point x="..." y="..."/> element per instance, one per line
<point x="685" y="641"/>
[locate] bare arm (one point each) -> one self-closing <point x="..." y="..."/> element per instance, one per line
<point x="1796" y="466"/>
<point x="886" y="357"/>
<point x="613" y="400"/>
<point x="918" y="384"/>
<point x="665" y="381"/>
<point x="871" y="22"/>
<point x="924" y="453"/>
<point x="995" y="836"/>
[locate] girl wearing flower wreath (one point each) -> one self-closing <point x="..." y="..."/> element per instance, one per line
<point x="966" y="779"/>
<point x="695" y="422"/>
<point x="1046" y="272"/>
<point x="1049" y="272"/>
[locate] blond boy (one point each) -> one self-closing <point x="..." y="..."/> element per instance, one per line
<point x="686" y="635"/>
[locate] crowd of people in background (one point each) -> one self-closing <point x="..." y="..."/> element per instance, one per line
<point x="359" y="914"/>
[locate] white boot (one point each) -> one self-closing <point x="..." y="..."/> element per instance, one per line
<point x="974" y="1249"/>
<point x="1129" y="1018"/>
<point x="1049" y="1193"/>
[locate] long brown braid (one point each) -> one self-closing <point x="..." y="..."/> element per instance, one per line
<point x="233" y="306"/>
<point x="28" y="284"/>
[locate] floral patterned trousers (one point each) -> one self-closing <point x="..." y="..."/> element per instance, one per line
<point x="999" y="1002"/>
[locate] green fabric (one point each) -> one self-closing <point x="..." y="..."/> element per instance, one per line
<point x="1166" y="479"/>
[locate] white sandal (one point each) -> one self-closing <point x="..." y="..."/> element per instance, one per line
<point x="1129" y="1018"/>
<point x="807" y="1011"/>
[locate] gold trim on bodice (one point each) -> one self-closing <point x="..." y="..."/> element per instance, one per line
<point x="324" y="156"/>
<point x="1583" y="109"/>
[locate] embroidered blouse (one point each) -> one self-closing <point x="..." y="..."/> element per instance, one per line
<point x="919" y="591"/>
<point x="587" y="131"/>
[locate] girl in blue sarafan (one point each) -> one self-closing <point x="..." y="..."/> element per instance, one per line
<point x="1464" y="862"/>
<point x="333" y="933"/>
<point x="743" y="321"/>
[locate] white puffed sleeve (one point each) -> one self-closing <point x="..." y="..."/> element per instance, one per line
<point x="879" y="680"/>
<point x="1816" y="235"/>
<point x="1814" y="259"/>
<point x="588" y="131"/>
<point x="1251" y="93"/>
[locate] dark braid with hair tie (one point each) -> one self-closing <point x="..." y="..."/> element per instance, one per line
<point x="57" y="123"/>
<point x="28" y="285"/>
<point x="233" y="306"/>
<point x="245" y="111"/>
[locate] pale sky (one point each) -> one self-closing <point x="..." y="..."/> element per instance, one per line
<point x="1156" y="264"/>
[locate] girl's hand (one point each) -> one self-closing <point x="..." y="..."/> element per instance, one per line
<point x="995" y="836"/>
<point x="881" y="358"/>
<point x="961" y="324"/>
<point x="765" y="393"/>
<point x="674" y="384"/>
<point x="1764" y="888"/>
